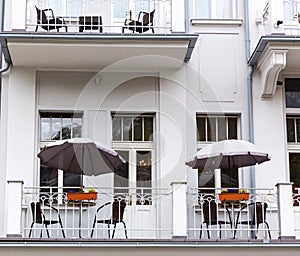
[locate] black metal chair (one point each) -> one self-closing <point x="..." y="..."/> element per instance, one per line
<point x="210" y="211"/>
<point x="116" y="216"/>
<point x="38" y="217"/>
<point x="49" y="22"/>
<point x="142" y="24"/>
<point x="258" y="212"/>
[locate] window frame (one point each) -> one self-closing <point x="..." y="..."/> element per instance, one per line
<point x="42" y="143"/>
<point x="133" y="147"/>
<point x="217" y="175"/>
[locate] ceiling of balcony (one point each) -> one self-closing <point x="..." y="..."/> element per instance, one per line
<point x="95" y="52"/>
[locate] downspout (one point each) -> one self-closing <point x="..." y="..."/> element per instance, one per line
<point x="249" y="87"/>
<point x="186" y="13"/>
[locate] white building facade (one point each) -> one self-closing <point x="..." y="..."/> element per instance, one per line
<point x="200" y="72"/>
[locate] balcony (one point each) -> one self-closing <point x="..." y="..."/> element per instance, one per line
<point x="93" y="35"/>
<point x="154" y="214"/>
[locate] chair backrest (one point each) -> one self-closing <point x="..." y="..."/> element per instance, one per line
<point x="210" y="211"/>
<point x="36" y="212"/>
<point x="147" y="18"/>
<point x="41" y="16"/>
<point x="118" y="208"/>
<point x="259" y="212"/>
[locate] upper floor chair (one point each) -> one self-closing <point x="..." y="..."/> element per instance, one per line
<point x="257" y="216"/>
<point x="212" y="216"/>
<point x="38" y="217"/>
<point x="49" y="22"/>
<point x="116" y="213"/>
<point x="142" y="24"/>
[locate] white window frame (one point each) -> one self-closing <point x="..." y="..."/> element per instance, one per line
<point x="133" y="147"/>
<point x="42" y="143"/>
<point x="201" y="144"/>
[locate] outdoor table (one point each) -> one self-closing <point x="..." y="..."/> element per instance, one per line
<point x="81" y="204"/>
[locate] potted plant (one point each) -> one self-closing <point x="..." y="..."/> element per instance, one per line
<point x="234" y="195"/>
<point x="82" y="194"/>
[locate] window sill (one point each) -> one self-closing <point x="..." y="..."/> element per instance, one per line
<point x="225" y="22"/>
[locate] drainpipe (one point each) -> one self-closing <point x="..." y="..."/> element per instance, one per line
<point x="186" y="14"/>
<point x="249" y="86"/>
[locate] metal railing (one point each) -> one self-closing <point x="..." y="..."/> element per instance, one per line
<point x="121" y="16"/>
<point x="244" y="218"/>
<point x="146" y="215"/>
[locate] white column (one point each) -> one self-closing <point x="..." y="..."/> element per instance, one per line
<point x="179" y="190"/>
<point x="14" y="208"/>
<point x="285" y="211"/>
<point x="178" y="16"/>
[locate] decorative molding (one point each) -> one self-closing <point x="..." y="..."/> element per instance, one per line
<point x="270" y="66"/>
<point x="217" y="22"/>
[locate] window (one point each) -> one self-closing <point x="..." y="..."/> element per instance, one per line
<point x="293" y="129"/>
<point x="66" y="7"/>
<point x="215" y="9"/>
<point x="132" y="128"/>
<point x="121" y="8"/>
<point x="216" y="128"/>
<point x="53" y="127"/>
<point x="212" y="128"/>
<point x="133" y="139"/>
<point x="292" y="92"/>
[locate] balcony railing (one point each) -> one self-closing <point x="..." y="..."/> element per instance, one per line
<point x="154" y="213"/>
<point x="77" y="215"/>
<point x="239" y="218"/>
<point x="99" y="16"/>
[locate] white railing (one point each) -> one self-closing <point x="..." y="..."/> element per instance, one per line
<point x="106" y="16"/>
<point x="210" y="217"/>
<point x="146" y="215"/>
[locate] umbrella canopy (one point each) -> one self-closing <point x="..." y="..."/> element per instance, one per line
<point x="81" y="156"/>
<point x="228" y="154"/>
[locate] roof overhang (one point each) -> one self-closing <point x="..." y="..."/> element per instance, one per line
<point x="273" y="56"/>
<point x="97" y="51"/>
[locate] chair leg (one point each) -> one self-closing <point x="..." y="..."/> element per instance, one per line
<point x="220" y="227"/>
<point x="36" y="28"/>
<point x="269" y="232"/>
<point x="113" y="234"/>
<point x="200" y="236"/>
<point x="31" y="229"/>
<point x="125" y="229"/>
<point x="208" y="235"/>
<point x="152" y="30"/>
<point x="62" y="229"/>
<point x="47" y="231"/>
<point x="93" y="227"/>
<point x="108" y="230"/>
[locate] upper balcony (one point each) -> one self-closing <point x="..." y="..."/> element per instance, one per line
<point x="92" y="35"/>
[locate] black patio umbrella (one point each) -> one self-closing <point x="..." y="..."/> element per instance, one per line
<point x="81" y="156"/>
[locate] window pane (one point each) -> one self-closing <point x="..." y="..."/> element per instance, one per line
<point x="290" y="130"/>
<point x="292" y="93"/>
<point x="221" y="128"/>
<point x="206" y="180"/>
<point x="144" y="168"/>
<point x="201" y="129"/>
<point x="298" y="129"/>
<point x="148" y="128"/>
<point x="142" y="5"/>
<point x="211" y="129"/>
<point x="121" y="176"/>
<point x="45" y="128"/>
<point x="120" y="8"/>
<point x="294" y="159"/>
<point x="74" y="8"/>
<point x="203" y="9"/>
<point x="116" y="128"/>
<point x="71" y="180"/>
<point x="224" y="9"/>
<point x="48" y="177"/>
<point x="127" y="129"/>
<point x="138" y="129"/>
<point x="232" y="128"/>
<point x="66" y="128"/>
<point x="77" y="127"/>
<point x="56" y="125"/>
<point x="229" y="178"/>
